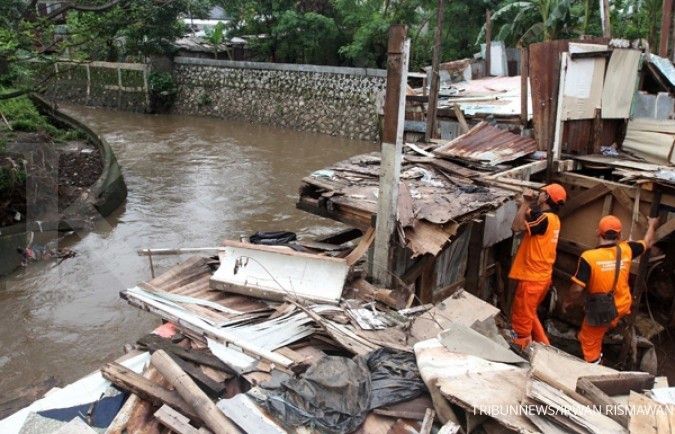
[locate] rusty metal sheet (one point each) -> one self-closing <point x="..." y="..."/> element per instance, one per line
<point x="487" y="144"/>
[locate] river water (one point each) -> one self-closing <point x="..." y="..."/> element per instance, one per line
<point x="192" y="183"/>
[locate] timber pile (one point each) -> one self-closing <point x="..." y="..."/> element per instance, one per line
<point x="225" y="362"/>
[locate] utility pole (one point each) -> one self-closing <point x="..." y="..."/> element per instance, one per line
<point x="382" y="264"/>
<point x="488" y="42"/>
<point x="604" y="16"/>
<point x="666" y="20"/>
<point x="435" y="77"/>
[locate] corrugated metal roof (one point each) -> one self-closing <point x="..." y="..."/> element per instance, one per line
<point x="487" y="144"/>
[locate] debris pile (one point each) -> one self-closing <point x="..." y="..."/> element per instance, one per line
<point x="238" y="354"/>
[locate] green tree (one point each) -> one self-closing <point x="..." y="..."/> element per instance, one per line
<point x="216" y="36"/>
<point x="525" y="21"/>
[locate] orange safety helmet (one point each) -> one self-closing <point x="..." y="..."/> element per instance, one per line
<point x="609" y="223"/>
<point x="556" y="192"/>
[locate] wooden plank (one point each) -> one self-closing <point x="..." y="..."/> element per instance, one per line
<point x="643" y="421"/>
<point x="175" y="421"/>
<point x="247" y="415"/>
<point x="524" y="85"/>
<point x="154" y="342"/>
<point x="195" y="399"/>
<point x="583" y="199"/>
<point x="428" y="421"/>
<point x="145" y="389"/>
<point x="625" y="201"/>
<point x="620" y="81"/>
<point x="464" y="126"/>
<point x="664" y="230"/>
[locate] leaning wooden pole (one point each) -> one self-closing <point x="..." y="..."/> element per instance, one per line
<point x="435" y="77"/>
<point x="214" y="418"/>
<point x="382" y="263"/>
<point x="666" y="21"/>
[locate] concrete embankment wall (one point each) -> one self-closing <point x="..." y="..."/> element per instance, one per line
<point x="328" y="100"/>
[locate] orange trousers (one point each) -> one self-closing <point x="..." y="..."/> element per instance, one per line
<point x="590" y="337"/>
<point x="524" y="319"/>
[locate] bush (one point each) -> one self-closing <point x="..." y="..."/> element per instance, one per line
<point x="23" y="116"/>
<point x="162" y="91"/>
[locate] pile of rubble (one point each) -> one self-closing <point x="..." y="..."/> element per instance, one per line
<point x="266" y="339"/>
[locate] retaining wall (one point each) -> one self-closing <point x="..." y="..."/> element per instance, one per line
<point x="328" y="100"/>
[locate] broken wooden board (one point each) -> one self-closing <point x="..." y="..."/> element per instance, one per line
<point x="461" y="339"/>
<point x="273" y="274"/>
<point x="620" y="83"/>
<point x="576" y="413"/>
<point x="650" y="417"/>
<point x="461" y="308"/>
<point x="477" y="385"/>
<point x="176" y="421"/>
<point x="428" y="238"/>
<point x="581" y="89"/>
<point x="248" y="416"/>
<point x="549" y="363"/>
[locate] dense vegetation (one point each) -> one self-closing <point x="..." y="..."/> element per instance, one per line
<point x="336" y="32"/>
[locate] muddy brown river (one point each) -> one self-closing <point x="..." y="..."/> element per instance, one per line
<point x="192" y="182"/>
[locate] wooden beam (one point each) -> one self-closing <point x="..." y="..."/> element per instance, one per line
<point x="382" y="264"/>
<point x="600" y="388"/>
<point x="583" y="199"/>
<point x="428" y="421"/>
<point x="488" y="42"/>
<point x="193" y="395"/>
<point x="175" y="421"/>
<point x="147" y="390"/>
<point x="554" y="149"/>
<point x="604" y="17"/>
<point x="432" y="107"/>
<point x="463" y="125"/>
<point x="591" y="54"/>
<point x="666" y="20"/>
<point x="664" y="230"/>
<point x="524" y="85"/>
<point x="521" y="172"/>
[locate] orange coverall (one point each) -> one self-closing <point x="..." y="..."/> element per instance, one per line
<point x="532" y="268"/>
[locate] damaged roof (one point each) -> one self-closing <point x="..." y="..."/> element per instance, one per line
<point x="488" y="144"/>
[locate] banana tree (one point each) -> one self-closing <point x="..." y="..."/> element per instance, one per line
<point x="532" y="20"/>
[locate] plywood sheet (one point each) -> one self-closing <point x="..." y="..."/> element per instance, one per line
<point x="584" y="80"/>
<point x="620" y="84"/>
<point x="461" y="308"/>
<point x="654" y="147"/>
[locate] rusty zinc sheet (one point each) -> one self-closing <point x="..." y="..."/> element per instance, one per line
<point x="487" y="144"/>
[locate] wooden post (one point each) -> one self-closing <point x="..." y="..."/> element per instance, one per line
<point x="146" y="88"/>
<point x="488" y="42"/>
<point x="382" y="264"/>
<point x="193" y="395"/>
<point x="628" y="349"/>
<point x="432" y="107"/>
<point x="119" y="87"/>
<point x="604" y="16"/>
<point x="88" y="84"/>
<point x="524" y="84"/>
<point x="666" y="20"/>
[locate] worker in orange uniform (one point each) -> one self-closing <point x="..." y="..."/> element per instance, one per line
<point x="532" y="267"/>
<point x="603" y="273"/>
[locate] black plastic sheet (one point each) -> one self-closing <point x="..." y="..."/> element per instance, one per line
<point x="337" y="393"/>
